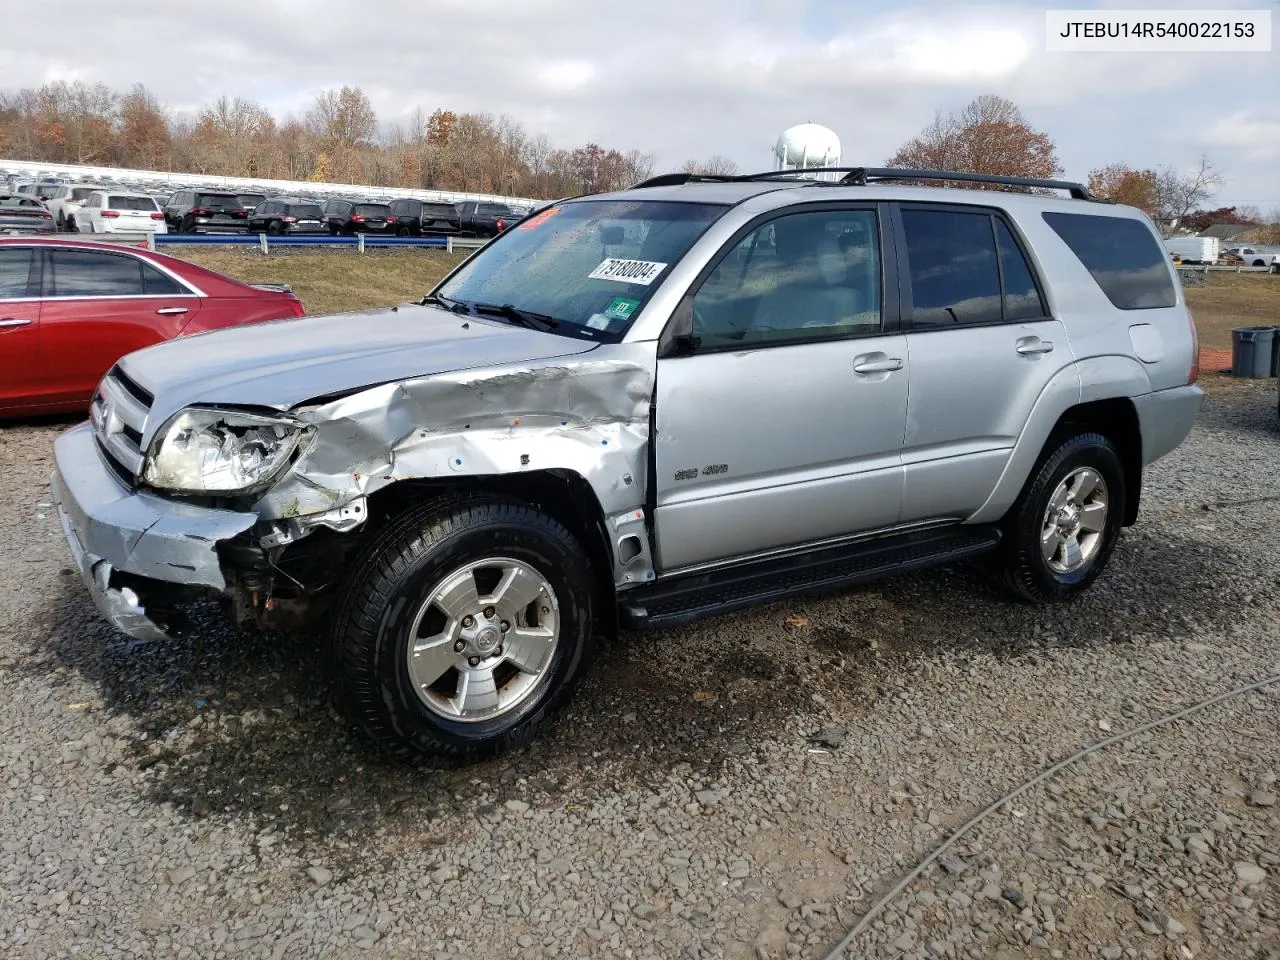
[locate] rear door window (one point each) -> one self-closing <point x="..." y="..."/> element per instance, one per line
<point x="1122" y="256"/>
<point x="1022" y="299"/>
<point x="952" y="264"/>
<point x="15" y="268"/>
<point x="88" y="273"/>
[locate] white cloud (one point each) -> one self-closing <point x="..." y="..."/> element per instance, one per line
<point x="566" y="76"/>
<point x="1257" y="137"/>
<point x="683" y="79"/>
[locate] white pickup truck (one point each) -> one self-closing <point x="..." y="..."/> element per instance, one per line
<point x="1254" y="257"/>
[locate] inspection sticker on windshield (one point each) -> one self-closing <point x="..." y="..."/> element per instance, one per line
<point x="620" y="308"/>
<point x="643" y="272"/>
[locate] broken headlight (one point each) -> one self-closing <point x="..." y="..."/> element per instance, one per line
<point x="221" y="451"/>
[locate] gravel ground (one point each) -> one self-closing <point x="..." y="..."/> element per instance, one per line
<point x="741" y="789"/>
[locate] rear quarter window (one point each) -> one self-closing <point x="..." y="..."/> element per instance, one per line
<point x="1122" y="256"/>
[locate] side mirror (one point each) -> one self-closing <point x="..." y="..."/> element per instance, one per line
<point x="678" y="339"/>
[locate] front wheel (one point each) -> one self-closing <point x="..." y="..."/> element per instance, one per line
<point x="463" y="627"/>
<point x="1061" y="531"/>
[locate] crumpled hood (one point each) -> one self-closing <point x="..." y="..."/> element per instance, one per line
<point x="282" y="363"/>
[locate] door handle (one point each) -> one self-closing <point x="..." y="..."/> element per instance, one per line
<point x="16" y="322"/>
<point x="169" y="310"/>
<point x="1030" y="346"/>
<point x="883" y="365"/>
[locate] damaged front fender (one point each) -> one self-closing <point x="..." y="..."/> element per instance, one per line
<point x="588" y="415"/>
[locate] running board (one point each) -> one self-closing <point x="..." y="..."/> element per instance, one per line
<point x="683" y="599"/>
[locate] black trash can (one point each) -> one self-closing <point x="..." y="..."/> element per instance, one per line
<point x="1251" y="352"/>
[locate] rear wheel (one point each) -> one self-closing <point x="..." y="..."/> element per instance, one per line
<point x="273" y="228"/>
<point x="464" y="626"/>
<point x="1061" y="532"/>
<point x="71" y="226"/>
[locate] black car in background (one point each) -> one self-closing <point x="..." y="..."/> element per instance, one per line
<point x="354" y="216"/>
<point x="287" y="215"/>
<point x="201" y="211"/>
<point x="416" y="218"/>
<point x="483" y="219"/>
<point x="250" y="200"/>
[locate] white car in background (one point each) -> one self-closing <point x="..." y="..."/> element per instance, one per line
<point x="117" y="211"/>
<point x="65" y="202"/>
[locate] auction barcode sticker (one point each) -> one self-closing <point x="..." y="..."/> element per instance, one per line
<point x="643" y="272"/>
<point x="1155" y="31"/>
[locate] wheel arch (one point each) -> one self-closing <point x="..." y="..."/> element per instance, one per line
<point x="1092" y="395"/>
<point x="562" y="494"/>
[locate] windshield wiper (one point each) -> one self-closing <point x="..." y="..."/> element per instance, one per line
<point x="457" y="306"/>
<point x="525" y="318"/>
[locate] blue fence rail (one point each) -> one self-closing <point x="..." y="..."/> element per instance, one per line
<point x="361" y="241"/>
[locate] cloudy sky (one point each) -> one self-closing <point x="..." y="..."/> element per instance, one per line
<point x="684" y="78"/>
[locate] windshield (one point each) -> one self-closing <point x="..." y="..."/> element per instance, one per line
<point x="47" y="190"/>
<point x="590" y="265"/>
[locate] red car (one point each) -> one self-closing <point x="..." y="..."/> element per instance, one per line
<point x="70" y="308"/>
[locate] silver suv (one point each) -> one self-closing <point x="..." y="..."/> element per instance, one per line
<point x="638" y="409"/>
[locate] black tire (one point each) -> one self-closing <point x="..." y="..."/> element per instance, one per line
<point x="402" y="231"/>
<point x="71" y="226"/>
<point x="333" y="230"/>
<point x="188" y="225"/>
<point x="61" y="222"/>
<point x="1020" y="566"/>
<point x="273" y="228"/>
<point x="390" y="577"/>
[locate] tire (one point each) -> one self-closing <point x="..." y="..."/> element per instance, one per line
<point x="61" y="222"/>
<point x="1022" y="565"/>
<point x="389" y="594"/>
<point x="71" y="226"/>
<point x="402" y="231"/>
<point x="188" y="225"/>
<point x="273" y="228"/>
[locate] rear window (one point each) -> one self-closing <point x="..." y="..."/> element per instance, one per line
<point x="13" y="201"/>
<point x="226" y="200"/>
<point x="439" y="210"/>
<point x="1123" y="257"/>
<point x="495" y="209"/>
<point x="131" y="203"/>
<point x="372" y="209"/>
<point x="80" y="193"/>
<point x="306" y="211"/>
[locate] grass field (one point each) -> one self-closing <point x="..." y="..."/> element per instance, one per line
<point x="344" y="280"/>
<point x="332" y="281"/>
<point x="1233" y="300"/>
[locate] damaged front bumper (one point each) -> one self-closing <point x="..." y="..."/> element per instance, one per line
<point x="115" y="531"/>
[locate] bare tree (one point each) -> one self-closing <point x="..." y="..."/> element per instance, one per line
<point x="1177" y="194"/>
<point x="715" y="166"/>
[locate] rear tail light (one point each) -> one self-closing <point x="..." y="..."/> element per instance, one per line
<point x="289" y="219"/>
<point x="392" y="220"/>
<point x="1194" y="373"/>
<point x="240" y="213"/>
<point x="358" y="219"/>
<point x="157" y="216"/>
<point x="46" y="216"/>
<point x="199" y="212"/>
<point x="501" y="224"/>
<point x="298" y="309"/>
<point x="110" y="213"/>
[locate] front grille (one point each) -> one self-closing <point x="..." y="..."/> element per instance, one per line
<point x="119" y="415"/>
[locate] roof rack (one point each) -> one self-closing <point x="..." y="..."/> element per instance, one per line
<point x="676" y="179"/>
<point x="861" y="176"/>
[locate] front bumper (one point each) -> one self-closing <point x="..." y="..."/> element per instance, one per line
<point x="111" y="529"/>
